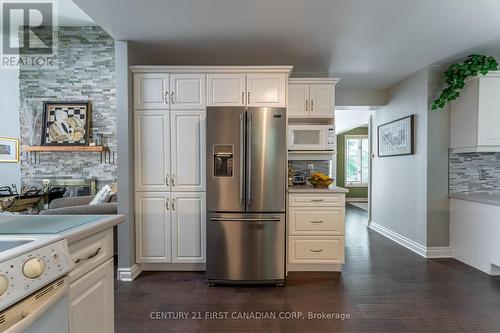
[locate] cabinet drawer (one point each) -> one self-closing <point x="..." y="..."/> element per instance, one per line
<point x="319" y="200"/>
<point x="90" y="252"/>
<point x="316" y="250"/>
<point x="317" y="220"/>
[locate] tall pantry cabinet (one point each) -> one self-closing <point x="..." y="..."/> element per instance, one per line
<point x="169" y="136"/>
<point x="170" y="105"/>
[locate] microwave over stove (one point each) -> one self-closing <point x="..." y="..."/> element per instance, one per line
<point x="311" y="137"/>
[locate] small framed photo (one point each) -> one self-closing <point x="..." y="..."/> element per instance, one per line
<point x="9" y="150"/>
<point x="396" y="138"/>
<point x="66" y="123"/>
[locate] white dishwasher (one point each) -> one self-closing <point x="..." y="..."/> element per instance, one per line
<point x="34" y="286"/>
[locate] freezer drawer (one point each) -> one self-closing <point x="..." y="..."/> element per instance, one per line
<point x="245" y="248"/>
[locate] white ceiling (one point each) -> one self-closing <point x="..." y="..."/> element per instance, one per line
<point x="370" y="44"/>
<point x="69" y="14"/>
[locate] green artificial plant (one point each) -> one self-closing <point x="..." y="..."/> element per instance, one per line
<point x="455" y="76"/>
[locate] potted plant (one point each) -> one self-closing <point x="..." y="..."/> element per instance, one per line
<point x="456" y="74"/>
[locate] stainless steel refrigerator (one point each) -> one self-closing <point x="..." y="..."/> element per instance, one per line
<point x="246" y="179"/>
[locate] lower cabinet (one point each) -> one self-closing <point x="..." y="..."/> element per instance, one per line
<point x="92" y="302"/>
<point x="316" y="228"/>
<point x="170" y="227"/>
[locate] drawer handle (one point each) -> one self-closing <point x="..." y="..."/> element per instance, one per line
<point x="317" y="200"/>
<point x="316" y="251"/>
<point x="79" y="260"/>
<point x="319" y="221"/>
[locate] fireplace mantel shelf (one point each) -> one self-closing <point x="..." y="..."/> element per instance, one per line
<point x="97" y="149"/>
<point x="107" y="156"/>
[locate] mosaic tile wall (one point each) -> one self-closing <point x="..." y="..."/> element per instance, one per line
<point x="465" y="169"/>
<point x="86" y="72"/>
<point x="302" y="166"/>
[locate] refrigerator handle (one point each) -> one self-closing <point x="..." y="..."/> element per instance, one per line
<point x="249" y="159"/>
<point x="242" y="156"/>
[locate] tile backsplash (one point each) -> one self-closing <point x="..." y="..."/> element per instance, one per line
<point x="302" y="166"/>
<point x="474" y="172"/>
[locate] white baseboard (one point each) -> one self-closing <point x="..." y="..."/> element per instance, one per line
<point x="439" y="252"/>
<point x="314" y="268"/>
<point x="426" y="252"/>
<point x="173" y="267"/>
<point x="128" y="274"/>
<point x="356" y="199"/>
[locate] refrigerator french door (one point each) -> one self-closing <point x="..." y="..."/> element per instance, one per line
<point x="246" y="179"/>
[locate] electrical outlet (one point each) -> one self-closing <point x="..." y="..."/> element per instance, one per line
<point x="483" y="174"/>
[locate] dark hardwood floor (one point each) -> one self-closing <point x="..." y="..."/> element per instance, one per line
<point x="383" y="287"/>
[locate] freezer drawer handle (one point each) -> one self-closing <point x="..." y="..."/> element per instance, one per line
<point x="230" y="219"/>
<point x="316" y="251"/>
<point x="319" y="221"/>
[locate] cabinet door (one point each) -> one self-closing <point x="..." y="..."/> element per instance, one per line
<point x="226" y="90"/>
<point x="91" y="301"/>
<point x="322" y="100"/>
<point x="188" y="227"/>
<point x="489" y="112"/>
<point x="187" y="91"/>
<point x="188" y="150"/>
<point x="151" y="91"/>
<point x="153" y="227"/>
<point x="298" y="100"/>
<point x="266" y="89"/>
<point x="152" y="150"/>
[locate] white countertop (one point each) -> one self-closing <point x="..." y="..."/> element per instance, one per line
<point x="311" y="189"/>
<point x="71" y="227"/>
<point x="492" y="199"/>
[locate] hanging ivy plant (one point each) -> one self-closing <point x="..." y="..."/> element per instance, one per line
<point x="455" y="76"/>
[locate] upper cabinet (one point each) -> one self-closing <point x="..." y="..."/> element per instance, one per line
<point x="311" y="98"/>
<point x="151" y="91"/>
<point x="475" y="116"/>
<point x="226" y="89"/>
<point x="187" y="91"/>
<point x="266" y="89"/>
<point x="253" y="89"/>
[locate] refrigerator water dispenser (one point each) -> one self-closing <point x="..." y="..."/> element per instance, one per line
<point x="223" y="160"/>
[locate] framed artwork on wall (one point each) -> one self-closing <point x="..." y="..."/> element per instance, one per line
<point x="9" y="150"/>
<point x="396" y="138"/>
<point x="66" y="123"/>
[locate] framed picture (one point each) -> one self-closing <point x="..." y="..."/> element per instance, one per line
<point x="396" y="137"/>
<point x="66" y="123"/>
<point x="9" y="150"/>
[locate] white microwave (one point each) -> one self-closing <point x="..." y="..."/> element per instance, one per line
<point x="311" y="137"/>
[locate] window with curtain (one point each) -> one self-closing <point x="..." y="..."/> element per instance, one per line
<point x="356" y="160"/>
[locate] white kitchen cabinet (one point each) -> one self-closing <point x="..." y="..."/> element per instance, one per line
<point x="152" y="150"/>
<point x="316" y="230"/>
<point x="298" y="100"/>
<point x="187" y="91"/>
<point x="188" y="227"/>
<point x="266" y="89"/>
<point x="474" y="116"/>
<point x="311" y="98"/>
<point x="153" y="227"/>
<point x="151" y="91"/>
<point x="322" y="101"/>
<point x="227" y="89"/>
<point x="188" y="150"/>
<point x="91" y="301"/>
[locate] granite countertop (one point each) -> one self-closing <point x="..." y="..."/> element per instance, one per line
<point x="71" y="227"/>
<point x="492" y="199"/>
<point x="311" y="189"/>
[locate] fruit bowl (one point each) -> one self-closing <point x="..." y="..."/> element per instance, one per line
<point x="320" y="183"/>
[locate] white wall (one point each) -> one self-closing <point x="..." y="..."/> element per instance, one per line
<point x="360" y="97"/>
<point x="399" y="184"/>
<point x="10" y="173"/>
<point x="346" y="120"/>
